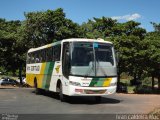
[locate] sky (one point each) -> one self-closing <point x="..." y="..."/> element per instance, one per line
<point x="79" y="11"/>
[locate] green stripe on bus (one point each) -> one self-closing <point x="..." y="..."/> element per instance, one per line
<point x="100" y="82"/>
<point x="47" y="75"/>
<point x="97" y="82"/>
<point x="93" y="82"/>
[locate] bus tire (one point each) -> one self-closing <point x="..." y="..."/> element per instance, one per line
<point x="98" y="99"/>
<point x="37" y="90"/>
<point x="61" y="96"/>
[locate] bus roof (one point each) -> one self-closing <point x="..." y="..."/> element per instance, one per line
<point x="86" y="40"/>
<point x="69" y="40"/>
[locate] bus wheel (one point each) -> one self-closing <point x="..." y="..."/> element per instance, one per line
<point x="37" y="90"/>
<point x="98" y="99"/>
<point x="61" y="96"/>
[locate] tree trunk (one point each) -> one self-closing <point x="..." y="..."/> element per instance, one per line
<point x="135" y="78"/>
<point x="20" y="74"/>
<point x="14" y="73"/>
<point x="118" y="80"/>
<point x="159" y="82"/>
<point x="118" y="76"/>
<point x="152" y="82"/>
<point x="140" y="75"/>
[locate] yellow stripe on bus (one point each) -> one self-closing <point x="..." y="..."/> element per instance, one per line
<point x="107" y="82"/>
<point x="41" y="75"/>
<point x="30" y="79"/>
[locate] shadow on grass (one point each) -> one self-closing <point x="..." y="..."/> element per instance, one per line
<point x="89" y="100"/>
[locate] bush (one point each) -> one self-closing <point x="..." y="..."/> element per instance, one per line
<point x="2" y="70"/>
<point x="122" y="88"/>
<point x="147" y="81"/>
<point x="143" y="89"/>
<point x="133" y="82"/>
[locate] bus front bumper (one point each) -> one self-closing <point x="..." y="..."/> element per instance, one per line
<point x="91" y="91"/>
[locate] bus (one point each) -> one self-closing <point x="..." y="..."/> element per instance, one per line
<point x="73" y="67"/>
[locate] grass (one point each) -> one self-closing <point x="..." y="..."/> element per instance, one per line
<point x="155" y="111"/>
<point x="131" y="89"/>
<point x="145" y="88"/>
<point x="155" y="114"/>
<point x="126" y="80"/>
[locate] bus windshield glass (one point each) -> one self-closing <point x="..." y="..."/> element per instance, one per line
<point x="92" y="59"/>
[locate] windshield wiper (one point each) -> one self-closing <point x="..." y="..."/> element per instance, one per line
<point x="89" y="70"/>
<point x="102" y="69"/>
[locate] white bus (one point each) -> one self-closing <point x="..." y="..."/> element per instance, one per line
<point x="73" y="67"/>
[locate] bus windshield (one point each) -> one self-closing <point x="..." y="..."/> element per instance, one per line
<point x="92" y="59"/>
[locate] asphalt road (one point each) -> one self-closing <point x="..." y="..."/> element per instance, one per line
<point x="24" y="101"/>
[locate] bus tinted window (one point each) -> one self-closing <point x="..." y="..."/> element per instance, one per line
<point x="44" y="55"/>
<point x="32" y="58"/>
<point x="57" y="52"/>
<point x="28" y="58"/>
<point x="37" y="60"/>
<point x="40" y="56"/>
<point x="49" y="54"/>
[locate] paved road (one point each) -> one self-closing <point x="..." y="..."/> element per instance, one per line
<point x="24" y="101"/>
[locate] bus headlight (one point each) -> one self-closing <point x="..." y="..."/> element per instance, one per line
<point x="113" y="84"/>
<point x="74" y="83"/>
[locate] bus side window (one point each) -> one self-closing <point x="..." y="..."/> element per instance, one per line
<point x="40" y="56"/>
<point x="53" y="54"/>
<point x="43" y="55"/>
<point x="66" y="60"/>
<point x="37" y="53"/>
<point x="28" y="58"/>
<point x="57" y="51"/>
<point x="32" y="58"/>
<point x="49" y="54"/>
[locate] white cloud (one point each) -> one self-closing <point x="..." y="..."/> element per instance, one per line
<point x="127" y="17"/>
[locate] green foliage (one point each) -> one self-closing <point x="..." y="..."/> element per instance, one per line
<point x="2" y="70"/>
<point x="139" y="51"/>
<point x="98" y="27"/>
<point x="156" y="26"/>
<point x="130" y="89"/>
<point x="131" y="54"/>
<point x="39" y="28"/>
<point x="147" y="81"/>
<point x="43" y="27"/>
<point x="8" y="42"/>
<point x="153" y="43"/>
<point x="143" y="89"/>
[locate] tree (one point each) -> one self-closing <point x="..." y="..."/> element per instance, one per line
<point x="156" y="26"/>
<point x="8" y="31"/>
<point x="44" y="27"/>
<point x="152" y="40"/>
<point x="132" y="60"/>
<point x="39" y="28"/>
<point x="98" y="27"/>
<point x="127" y="38"/>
